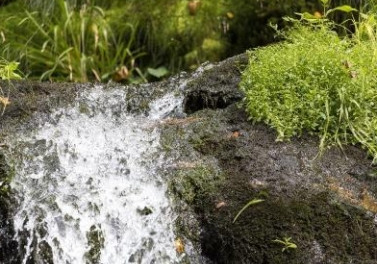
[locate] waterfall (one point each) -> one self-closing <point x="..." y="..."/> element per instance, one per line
<point x="88" y="183"/>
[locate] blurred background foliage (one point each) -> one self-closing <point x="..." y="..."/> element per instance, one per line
<point x="135" y="40"/>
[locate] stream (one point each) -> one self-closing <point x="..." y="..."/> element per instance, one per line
<point x="88" y="184"/>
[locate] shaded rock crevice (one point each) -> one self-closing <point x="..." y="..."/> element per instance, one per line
<point x="217" y="87"/>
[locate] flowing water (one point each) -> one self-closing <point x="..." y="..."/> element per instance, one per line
<point x="88" y="183"/>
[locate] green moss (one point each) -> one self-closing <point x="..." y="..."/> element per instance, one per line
<point x="171" y="138"/>
<point x="193" y="184"/>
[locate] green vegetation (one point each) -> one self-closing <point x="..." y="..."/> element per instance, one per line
<point x="251" y="202"/>
<point x="8" y="71"/>
<point x="286" y="242"/>
<point x="193" y="184"/>
<point x="318" y="82"/>
<point x="78" y="44"/>
<point x="132" y="40"/>
<point x="82" y="40"/>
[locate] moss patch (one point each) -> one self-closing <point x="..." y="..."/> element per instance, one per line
<point x="192" y="185"/>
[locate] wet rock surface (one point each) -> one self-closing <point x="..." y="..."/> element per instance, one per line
<point x="217" y="88"/>
<point x="219" y="161"/>
<point x="8" y="247"/>
<point x="326" y="203"/>
<point x="28" y="97"/>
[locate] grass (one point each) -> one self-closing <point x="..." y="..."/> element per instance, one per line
<point x="286" y="243"/>
<point x="175" y="38"/>
<point x="72" y="43"/>
<point x="80" y="40"/>
<point x="319" y="83"/>
<point x="96" y="40"/>
<point x="251" y="202"/>
<point x="79" y="44"/>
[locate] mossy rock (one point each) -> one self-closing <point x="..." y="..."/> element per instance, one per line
<point x="194" y="184"/>
<point x="325" y="203"/>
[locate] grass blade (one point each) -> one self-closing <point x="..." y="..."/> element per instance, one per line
<point x="252" y="202"/>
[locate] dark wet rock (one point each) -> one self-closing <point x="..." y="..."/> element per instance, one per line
<point x="44" y="253"/>
<point x="28" y="97"/>
<point x="8" y="246"/>
<point x="95" y="243"/>
<point x="217" y="87"/>
<point x="145" y="211"/>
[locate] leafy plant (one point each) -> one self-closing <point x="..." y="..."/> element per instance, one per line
<point x="326" y="12"/>
<point x="317" y="82"/>
<point x="251" y="202"/>
<point x="286" y="242"/>
<point x="158" y="72"/>
<point x="8" y="71"/>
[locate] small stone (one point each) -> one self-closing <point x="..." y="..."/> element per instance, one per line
<point x="145" y="211"/>
<point x="255" y="183"/>
<point x="234" y="134"/>
<point x="220" y="204"/>
<point x="132" y="258"/>
<point x="179" y="246"/>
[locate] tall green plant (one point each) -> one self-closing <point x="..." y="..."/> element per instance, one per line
<point x="76" y="44"/>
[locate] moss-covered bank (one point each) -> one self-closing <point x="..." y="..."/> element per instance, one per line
<point x="326" y="204"/>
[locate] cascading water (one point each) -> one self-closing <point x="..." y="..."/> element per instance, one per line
<point x="88" y="185"/>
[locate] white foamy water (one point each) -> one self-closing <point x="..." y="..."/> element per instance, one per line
<point x="89" y="187"/>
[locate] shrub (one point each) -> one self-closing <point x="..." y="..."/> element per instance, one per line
<point x="316" y="82"/>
